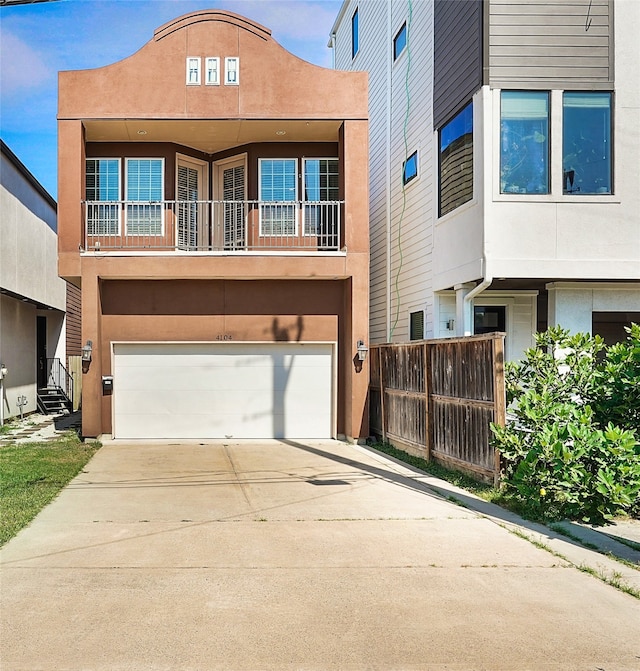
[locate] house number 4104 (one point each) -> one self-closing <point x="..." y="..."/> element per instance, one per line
<point x="224" y="337"/>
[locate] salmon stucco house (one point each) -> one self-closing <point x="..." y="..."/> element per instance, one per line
<point x="213" y="208"/>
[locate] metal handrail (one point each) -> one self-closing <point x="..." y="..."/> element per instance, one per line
<point x="58" y="376"/>
<point x="213" y="225"/>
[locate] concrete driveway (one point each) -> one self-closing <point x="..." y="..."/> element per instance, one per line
<point x="291" y="555"/>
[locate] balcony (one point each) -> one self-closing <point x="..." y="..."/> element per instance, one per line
<point x="213" y="226"/>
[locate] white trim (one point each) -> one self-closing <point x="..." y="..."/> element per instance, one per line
<point x="209" y="61"/>
<point x="183" y="159"/>
<point x="190" y="61"/>
<point x="232" y="71"/>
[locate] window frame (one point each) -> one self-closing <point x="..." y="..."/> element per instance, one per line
<point x="501" y="309"/>
<point x="307" y="205"/>
<point x="610" y="140"/>
<point x="413" y="313"/>
<point x="263" y="202"/>
<point x="468" y="106"/>
<point x="198" y="71"/>
<point x="208" y="60"/>
<point x="152" y="203"/>
<point x="407" y="180"/>
<point x="401" y="32"/>
<point x="355" y="33"/>
<point x="548" y="140"/>
<point x="112" y="203"/>
<point x="228" y="70"/>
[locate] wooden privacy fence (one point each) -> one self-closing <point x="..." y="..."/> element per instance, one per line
<point x="436" y="399"/>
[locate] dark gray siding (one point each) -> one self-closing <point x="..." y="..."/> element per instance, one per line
<point x="457" y="56"/>
<point x="541" y="44"/>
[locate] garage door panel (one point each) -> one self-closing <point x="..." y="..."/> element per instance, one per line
<point x="206" y="390"/>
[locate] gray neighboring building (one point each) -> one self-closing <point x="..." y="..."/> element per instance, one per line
<point x="504" y="158"/>
<point x="32" y="296"/>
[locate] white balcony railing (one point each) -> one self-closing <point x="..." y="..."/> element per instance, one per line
<point x="213" y="226"/>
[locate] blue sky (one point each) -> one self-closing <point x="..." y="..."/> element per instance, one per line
<point x="38" y="40"/>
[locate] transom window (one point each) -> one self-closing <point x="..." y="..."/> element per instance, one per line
<point x="144" y="195"/>
<point x="103" y="195"/>
<point x="586" y="143"/>
<point x="524" y="142"/>
<point x="456" y="161"/>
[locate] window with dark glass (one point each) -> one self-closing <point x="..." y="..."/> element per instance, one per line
<point x="489" y="318"/>
<point x="524" y="142"/>
<point x="586" y="143"/>
<point x="410" y="168"/>
<point x="456" y="161"/>
<point x="416" y="325"/>
<point x="355" y="40"/>
<point x="102" y="193"/>
<point x="400" y="41"/>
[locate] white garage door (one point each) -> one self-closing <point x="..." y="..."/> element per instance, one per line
<point x="206" y="390"/>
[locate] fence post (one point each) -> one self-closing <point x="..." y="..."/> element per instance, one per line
<point x="382" y="413"/>
<point x="428" y="434"/>
<point x="500" y="397"/>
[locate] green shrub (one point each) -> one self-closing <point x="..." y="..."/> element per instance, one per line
<point x="562" y="455"/>
<point x="619" y="397"/>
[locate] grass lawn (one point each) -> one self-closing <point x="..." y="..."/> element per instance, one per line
<point x="32" y="474"/>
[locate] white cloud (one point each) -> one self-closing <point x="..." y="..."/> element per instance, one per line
<point x="21" y="66"/>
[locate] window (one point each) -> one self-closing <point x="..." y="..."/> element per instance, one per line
<point x="400" y="41"/>
<point x="321" y="193"/>
<point x="278" y="196"/>
<point x="193" y="71"/>
<point x="410" y="168"/>
<point x="586" y="143"/>
<point x="145" y="187"/>
<point x="355" y="43"/>
<point x="416" y="325"/>
<point x="524" y="142"/>
<point x="456" y="161"/>
<point x="232" y="70"/>
<point x="103" y="196"/>
<point x="213" y="71"/>
<point x="489" y="319"/>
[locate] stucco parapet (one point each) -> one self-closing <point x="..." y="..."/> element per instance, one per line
<point x="273" y="82"/>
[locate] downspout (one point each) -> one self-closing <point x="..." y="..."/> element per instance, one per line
<point x="332" y="46"/>
<point x="476" y="291"/>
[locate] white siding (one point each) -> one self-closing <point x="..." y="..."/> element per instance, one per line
<point x="396" y="107"/>
<point x="521" y="317"/>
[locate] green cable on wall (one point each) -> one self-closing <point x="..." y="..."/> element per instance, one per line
<point x="406" y="156"/>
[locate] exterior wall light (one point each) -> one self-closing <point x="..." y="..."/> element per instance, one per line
<point x="3" y="371"/>
<point x="362" y="350"/>
<point x="86" y="352"/>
